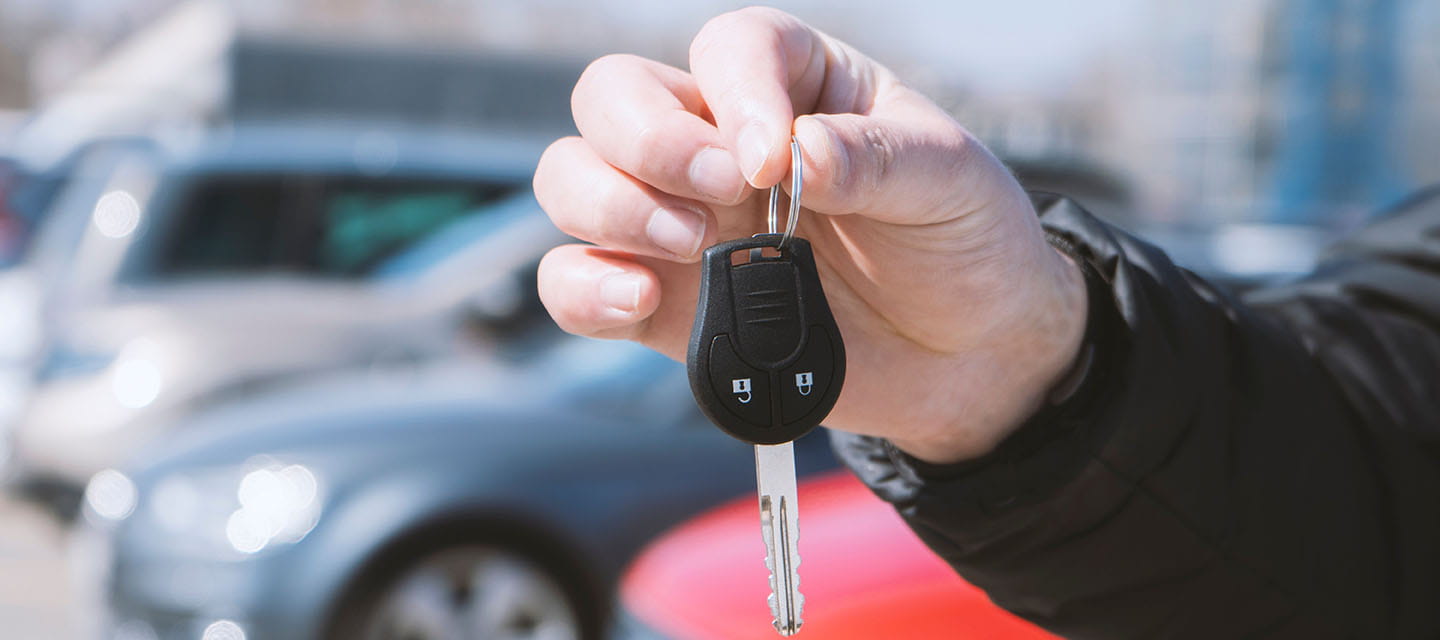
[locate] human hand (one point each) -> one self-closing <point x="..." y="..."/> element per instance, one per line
<point x="957" y="315"/>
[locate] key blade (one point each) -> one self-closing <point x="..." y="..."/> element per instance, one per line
<point x="780" y="526"/>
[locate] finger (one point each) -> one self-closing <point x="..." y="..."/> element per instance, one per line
<point x="647" y="119"/>
<point x="912" y="166"/>
<point x="745" y="63"/>
<point x="757" y="68"/>
<point x="591" y="200"/>
<point x="596" y="292"/>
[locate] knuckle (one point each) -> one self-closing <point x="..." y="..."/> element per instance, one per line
<point x="544" y="181"/>
<point x="706" y="41"/>
<point x="966" y="153"/>
<point x="600" y="73"/>
<point x="606" y="221"/>
<point x="716" y="25"/>
<point x="718" y="31"/>
<point x="550" y="183"/>
<point x="879" y="147"/>
<point x="967" y="149"/>
<point x="605" y="67"/>
<point x="649" y="145"/>
<point x="761" y="16"/>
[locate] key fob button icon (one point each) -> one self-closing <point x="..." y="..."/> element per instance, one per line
<point x="804" y="383"/>
<point x="743" y="389"/>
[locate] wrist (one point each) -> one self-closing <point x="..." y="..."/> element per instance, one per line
<point x="1018" y="372"/>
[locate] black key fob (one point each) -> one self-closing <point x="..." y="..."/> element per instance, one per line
<point x="766" y="361"/>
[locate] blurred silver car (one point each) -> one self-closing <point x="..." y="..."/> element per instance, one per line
<point x="167" y="279"/>
<point x="465" y="500"/>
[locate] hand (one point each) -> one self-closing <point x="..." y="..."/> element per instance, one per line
<point x="957" y="315"/>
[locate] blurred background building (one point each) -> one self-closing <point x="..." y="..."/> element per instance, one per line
<point x="347" y="150"/>
<point x="1285" y="110"/>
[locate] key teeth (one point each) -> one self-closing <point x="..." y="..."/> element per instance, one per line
<point x="775" y="606"/>
<point x="774" y="602"/>
<point x="778" y="521"/>
<point x="775" y="612"/>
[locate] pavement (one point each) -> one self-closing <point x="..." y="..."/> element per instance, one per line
<point x="38" y="594"/>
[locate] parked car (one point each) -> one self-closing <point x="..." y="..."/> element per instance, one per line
<point x="863" y="574"/>
<point x="27" y="194"/>
<point x="28" y="188"/>
<point x="23" y="192"/>
<point x="496" y="498"/>
<point x="168" y="279"/>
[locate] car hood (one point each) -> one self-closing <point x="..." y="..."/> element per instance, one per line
<point x="262" y="307"/>
<point x="426" y="413"/>
<point x="207" y="338"/>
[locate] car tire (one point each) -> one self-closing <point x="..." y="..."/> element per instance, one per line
<point x="464" y="584"/>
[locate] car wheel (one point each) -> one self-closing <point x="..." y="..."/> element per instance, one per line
<point x="467" y="592"/>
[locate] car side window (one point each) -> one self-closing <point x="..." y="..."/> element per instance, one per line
<point x="367" y="224"/>
<point x="229" y="225"/>
<point x="322" y="226"/>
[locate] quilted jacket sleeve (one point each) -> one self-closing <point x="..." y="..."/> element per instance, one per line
<point x="1228" y="468"/>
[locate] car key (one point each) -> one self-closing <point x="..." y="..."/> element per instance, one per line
<point x="766" y="364"/>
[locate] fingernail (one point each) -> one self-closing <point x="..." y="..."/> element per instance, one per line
<point x="621" y="292"/>
<point x="753" y="146"/>
<point x="822" y="150"/>
<point x="678" y="231"/>
<point x="713" y="173"/>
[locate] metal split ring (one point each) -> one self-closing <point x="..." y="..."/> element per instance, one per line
<point x="792" y="220"/>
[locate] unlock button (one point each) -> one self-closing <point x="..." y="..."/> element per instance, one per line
<point x="743" y="389"/>
<point x="803" y="384"/>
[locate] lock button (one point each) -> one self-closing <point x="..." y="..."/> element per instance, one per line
<point x="803" y="384"/>
<point x="743" y="389"/>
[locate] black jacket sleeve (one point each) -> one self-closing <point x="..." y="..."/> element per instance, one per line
<point x="1257" y="468"/>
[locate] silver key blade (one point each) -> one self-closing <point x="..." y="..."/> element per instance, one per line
<point x="780" y="525"/>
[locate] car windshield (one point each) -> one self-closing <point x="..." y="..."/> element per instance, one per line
<point x="321" y="226"/>
<point x="456" y="236"/>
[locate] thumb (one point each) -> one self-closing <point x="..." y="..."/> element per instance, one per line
<point x="903" y="168"/>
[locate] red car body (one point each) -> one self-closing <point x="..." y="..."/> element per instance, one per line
<point x="863" y="573"/>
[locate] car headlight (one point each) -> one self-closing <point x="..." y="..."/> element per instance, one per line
<point x="249" y="508"/>
<point x="136" y="372"/>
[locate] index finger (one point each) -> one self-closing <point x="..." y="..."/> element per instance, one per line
<point x="648" y="120"/>
<point x="759" y="68"/>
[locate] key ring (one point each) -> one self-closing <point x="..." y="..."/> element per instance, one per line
<point x="793" y="219"/>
